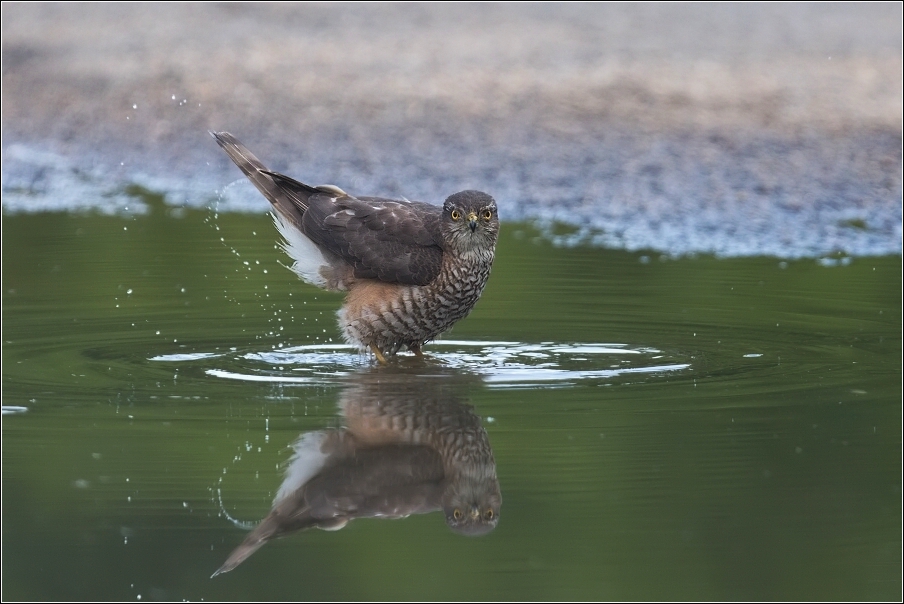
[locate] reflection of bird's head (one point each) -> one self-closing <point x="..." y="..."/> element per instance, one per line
<point x="470" y="222"/>
<point x="471" y="505"/>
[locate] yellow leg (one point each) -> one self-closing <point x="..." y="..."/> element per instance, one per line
<point x="380" y="358"/>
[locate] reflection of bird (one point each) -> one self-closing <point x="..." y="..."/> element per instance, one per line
<point x="380" y="409"/>
<point x="411" y="269"/>
<point x="408" y="448"/>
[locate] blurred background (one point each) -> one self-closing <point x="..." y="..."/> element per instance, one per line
<point x="733" y="129"/>
<point x="687" y="359"/>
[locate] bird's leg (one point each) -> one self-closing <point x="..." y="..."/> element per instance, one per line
<point x="380" y="358"/>
<point x="416" y="349"/>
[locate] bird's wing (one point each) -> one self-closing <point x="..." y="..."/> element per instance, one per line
<point x="392" y="241"/>
<point x="390" y="481"/>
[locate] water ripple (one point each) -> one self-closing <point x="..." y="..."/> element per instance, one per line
<point x="501" y="364"/>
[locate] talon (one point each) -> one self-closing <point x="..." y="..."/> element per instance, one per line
<point x="380" y="358"/>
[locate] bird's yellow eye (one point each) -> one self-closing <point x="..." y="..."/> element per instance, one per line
<point x="456" y="214"/>
<point x="487" y="214"/>
<point x="457" y="512"/>
<point x="489" y="514"/>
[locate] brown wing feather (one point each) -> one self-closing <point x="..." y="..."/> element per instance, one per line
<point x="384" y="239"/>
<point x="392" y="241"/>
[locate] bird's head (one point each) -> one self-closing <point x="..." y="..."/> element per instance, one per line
<point x="471" y="504"/>
<point x="470" y="222"/>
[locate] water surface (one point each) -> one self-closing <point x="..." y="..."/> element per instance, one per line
<point x="663" y="428"/>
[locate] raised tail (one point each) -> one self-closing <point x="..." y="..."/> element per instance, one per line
<point x="288" y="196"/>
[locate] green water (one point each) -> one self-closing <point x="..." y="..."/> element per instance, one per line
<point x="692" y="428"/>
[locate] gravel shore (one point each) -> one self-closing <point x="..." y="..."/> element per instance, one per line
<point x="730" y="129"/>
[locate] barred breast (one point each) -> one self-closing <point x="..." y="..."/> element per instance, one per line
<point x="444" y="424"/>
<point x="391" y="316"/>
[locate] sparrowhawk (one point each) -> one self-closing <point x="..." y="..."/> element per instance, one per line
<point x="408" y="447"/>
<point x="411" y="269"/>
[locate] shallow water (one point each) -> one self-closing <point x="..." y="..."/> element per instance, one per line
<point x="663" y="428"/>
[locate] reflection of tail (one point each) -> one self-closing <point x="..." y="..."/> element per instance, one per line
<point x="291" y="511"/>
<point x="248" y="547"/>
<point x="276" y="524"/>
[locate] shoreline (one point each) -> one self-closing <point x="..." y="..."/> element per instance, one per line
<point x="733" y="130"/>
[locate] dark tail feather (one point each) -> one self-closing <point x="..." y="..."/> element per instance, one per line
<point x="295" y="189"/>
<point x="288" y="196"/>
<point x="263" y="532"/>
<point x="239" y="555"/>
<point x="285" y="518"/>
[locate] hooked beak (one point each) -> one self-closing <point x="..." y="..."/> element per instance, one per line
<point x="475" y="513"/>
<point x="472" y="221"/>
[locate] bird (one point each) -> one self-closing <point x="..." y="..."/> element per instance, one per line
<point x="411" y="269"/>
<point x="407" y="447"/>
